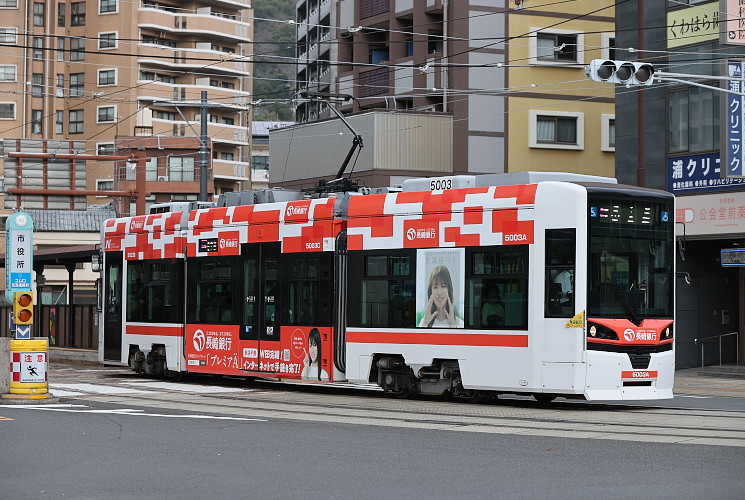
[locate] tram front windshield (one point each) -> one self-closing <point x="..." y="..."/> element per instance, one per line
<point x="631" y="259"/>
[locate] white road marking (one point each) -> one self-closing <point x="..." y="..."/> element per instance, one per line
<point x="177" y="386"/>
<point x="95" y="388"/>
<point x="130" y="411"/>
<point x="63" y="393"/>
<point x="694" y="397"/>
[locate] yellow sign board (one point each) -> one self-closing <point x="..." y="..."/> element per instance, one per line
<point x="695" y="24"/>
<point x="578" y="321"/>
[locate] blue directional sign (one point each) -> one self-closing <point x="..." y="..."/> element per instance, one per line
<point x="23" y="332"/>
<point x="19" y="254"/>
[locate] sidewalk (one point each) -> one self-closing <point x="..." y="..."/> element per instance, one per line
<point x="688" y="382"/>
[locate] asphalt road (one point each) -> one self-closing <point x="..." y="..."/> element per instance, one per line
<point x="124" y="436"/>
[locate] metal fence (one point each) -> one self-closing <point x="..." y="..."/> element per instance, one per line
<point x="54" y="322"/>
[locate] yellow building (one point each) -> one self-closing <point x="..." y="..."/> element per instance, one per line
<point x="559" y="120"/>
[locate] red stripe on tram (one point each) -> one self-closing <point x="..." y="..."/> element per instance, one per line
<point x="464" y="339"/>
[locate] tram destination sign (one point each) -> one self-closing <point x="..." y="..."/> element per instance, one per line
<point x="733" y="257"/>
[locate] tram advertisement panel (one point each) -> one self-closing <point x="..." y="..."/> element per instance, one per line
<point x="440" y="287"/>
<point x="301" y="353"/>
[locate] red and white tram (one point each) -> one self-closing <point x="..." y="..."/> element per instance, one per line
<point x="532" y="283"/>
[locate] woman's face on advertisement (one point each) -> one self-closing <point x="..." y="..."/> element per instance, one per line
<point x="440" y="293"/>
<point x="313" y="352"/>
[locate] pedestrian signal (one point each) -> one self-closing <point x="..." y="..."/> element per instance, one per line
<point x="23" y="308"/>
<point x="626" y="72"/>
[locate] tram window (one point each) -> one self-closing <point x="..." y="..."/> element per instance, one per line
<point x="214" y="304"/>
<point x="497" y="287"/>
<point x="560" y="272"/>
<point x="135" y="292"/>
<point x="150" y="292"/>
<point x="158" y="306"/>
<point x="388" y="291"/>
<point x="310" y="292"/>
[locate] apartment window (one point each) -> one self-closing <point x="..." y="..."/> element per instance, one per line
<point x="7" y="73"/>
<point x="104" y="185"/>
<point x="76" y="121"/>
<point x="228" y="85"/>
<point x="39" y="13"/>
<point x="260" y="162"/>
<point x="60" y="85"/>
<point x="608" y="46"/>
<point x="8" y="35"/>
<point x="9" y="4"/>
<point x="77" y="13"/>
<point x="60" y="49"/>
<point x="147" y="75"/>
<point x="181" y="168"/>
<point x="557" y="47"/>
<point x="36" y="121"/>
<point x="61" y="14"/>
<point x="556" y="130"/>
<point x="227" y="156"/>
<point x="214" y="118"/>
<point x="7" y="111"/>
<point x="77" y="83"/>
<point x="165" y="78"/>
<point x="105" y="149"/>
<point x="228" y="121"/>
<point x="107" y="6"/>
<point x="693" y="120"/>
<point x="608" y="132"/>
<point x="59" y="122"/>
<point x="107" y="40"/>
<point x="77" y="49"/>
<point x="106" y="114"/>
<point x="165" y="115"/>
<point x="106" y="77"/>
<point x="158" y="41"/>
<point x="38" y="48"/>
<point x="37" y="84"/>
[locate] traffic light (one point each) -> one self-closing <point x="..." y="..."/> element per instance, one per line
<point x="626" y="72"/>
<point x="23" y="308"/>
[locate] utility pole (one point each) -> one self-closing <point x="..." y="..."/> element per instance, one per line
<point x="204" y="152"/>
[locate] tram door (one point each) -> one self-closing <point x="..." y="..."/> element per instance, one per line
<point x="112" y="327"/>
<point x="262" y="304"/>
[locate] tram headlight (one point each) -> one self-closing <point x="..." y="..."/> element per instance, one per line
<point x="597" y="331"/>
<point x="667" y="333"/>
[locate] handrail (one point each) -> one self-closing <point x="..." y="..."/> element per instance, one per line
<point x="704" y="339"/>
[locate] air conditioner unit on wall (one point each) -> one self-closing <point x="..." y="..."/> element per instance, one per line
<point x="163" y="178"/>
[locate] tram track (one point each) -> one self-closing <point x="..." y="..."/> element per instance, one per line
<point x="518" y="417"/>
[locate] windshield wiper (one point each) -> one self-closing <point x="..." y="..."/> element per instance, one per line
<point x="626" y="306"/>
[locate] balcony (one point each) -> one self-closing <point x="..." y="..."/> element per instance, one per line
<point x="160" y="91"/>
<point x="233" y="135"/>
<point x="192" y="60"/>
<point x="229" y="4"/>
<point x="204" y="24"/>
<point x="230" y="170"/>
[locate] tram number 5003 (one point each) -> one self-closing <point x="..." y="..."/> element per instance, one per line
<point x="440" y="184"/>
